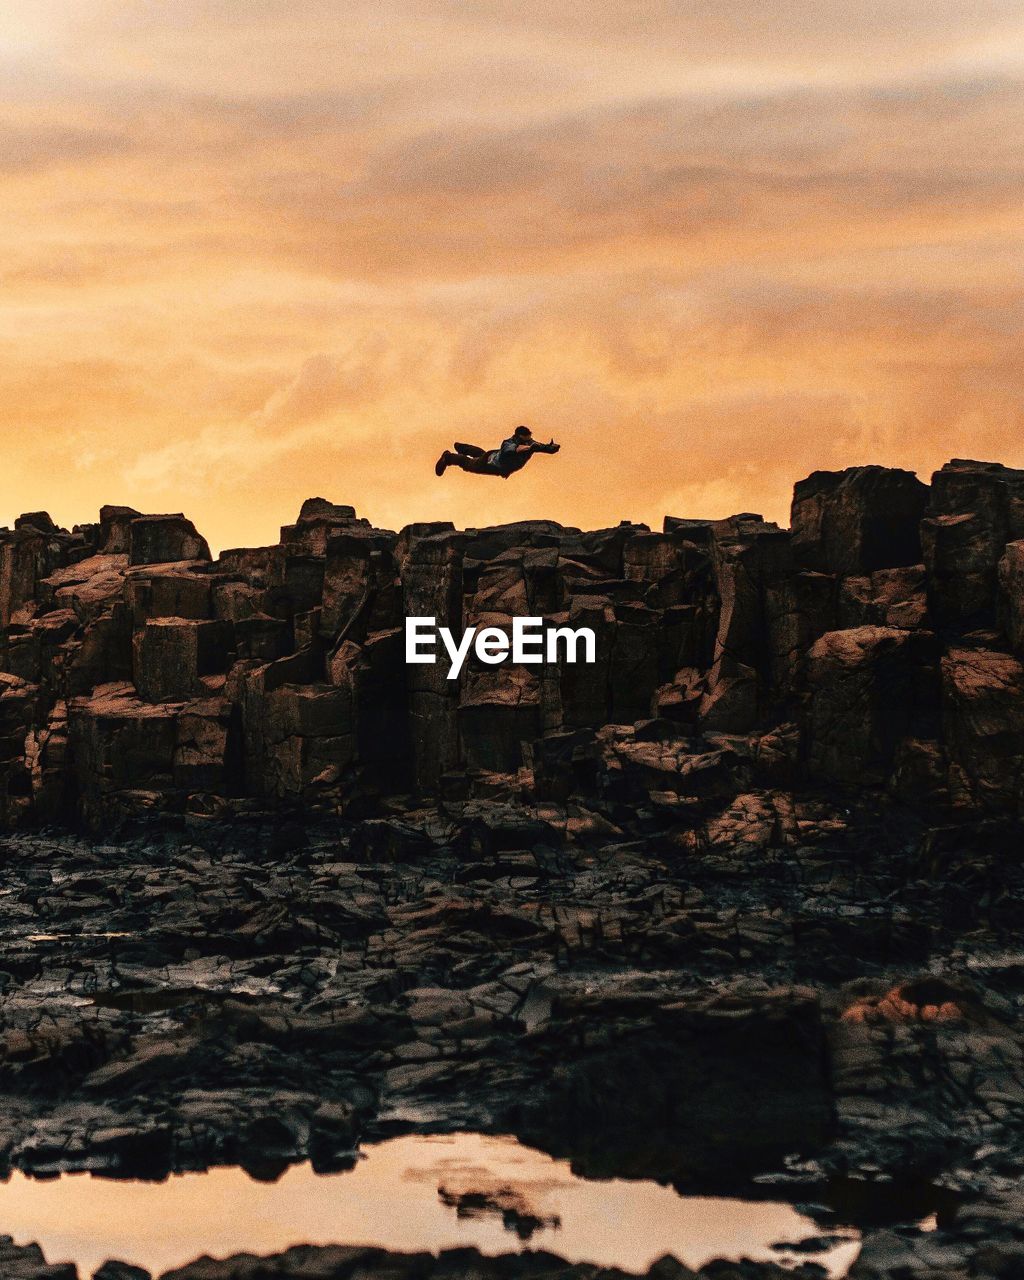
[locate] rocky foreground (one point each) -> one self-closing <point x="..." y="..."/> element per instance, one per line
<point x="738" y="907"/>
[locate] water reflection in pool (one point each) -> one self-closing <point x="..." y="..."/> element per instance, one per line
<point x="407" y="1194"/>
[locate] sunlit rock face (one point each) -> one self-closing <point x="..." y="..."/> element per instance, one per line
<point x="141" y="677"/>
<point x="927" y="1000"/>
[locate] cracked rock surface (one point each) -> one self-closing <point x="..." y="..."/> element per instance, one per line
<point x="736" y="908"/>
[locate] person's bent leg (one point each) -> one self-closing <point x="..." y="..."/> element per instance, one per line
<point x="470" y="450"/>
<point x="476" y="466"/>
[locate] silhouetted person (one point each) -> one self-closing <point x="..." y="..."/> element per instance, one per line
<point x="511" y="455"/>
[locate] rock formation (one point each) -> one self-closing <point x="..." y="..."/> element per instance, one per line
<point x="736" y="907"/>
<point x="879" y="640"/>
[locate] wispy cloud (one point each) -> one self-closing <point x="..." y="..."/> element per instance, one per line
<point x="251" y="251"/>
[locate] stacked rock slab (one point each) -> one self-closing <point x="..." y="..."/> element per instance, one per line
<point x="875" y="644"/>
<point x="975" y="509"/>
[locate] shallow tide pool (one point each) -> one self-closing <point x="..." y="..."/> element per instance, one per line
<point x="406" y="1194"/>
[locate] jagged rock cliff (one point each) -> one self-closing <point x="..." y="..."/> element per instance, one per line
<point x="874" y="645"/>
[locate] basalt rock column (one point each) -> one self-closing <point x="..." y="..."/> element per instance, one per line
<point x="858" y="520"/>
<point x="751" y="560"/>
<point x="976" y="508"/>
<point x="430" y="561"/>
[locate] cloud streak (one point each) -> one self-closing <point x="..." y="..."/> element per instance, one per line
<point x="255" y="251"/>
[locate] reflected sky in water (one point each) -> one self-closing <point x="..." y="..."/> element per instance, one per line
<point x="392" y="1199"/>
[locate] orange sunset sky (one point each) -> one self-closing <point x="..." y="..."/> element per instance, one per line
<point x="255" y="250"/>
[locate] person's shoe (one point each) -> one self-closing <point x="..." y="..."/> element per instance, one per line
<point x="441" y="464"/>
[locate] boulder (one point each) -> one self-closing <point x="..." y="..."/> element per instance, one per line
<point x="168" y="591"/>
<point x="858" y="520"/>
<point x="102" y="654"/>
<point x="868" y="689"/>
<point x="27" y="556"/>
<point x="887" y="598"/>
<point x="361" y="591"/>
<point x="37" y="650"/>
<point x="165" y="539"/>
<point x="309" y="738"/>
<point x="113" y="1270"/>
<point x="983" y="717"/>
<point x="975" y="509"/>
<point x="635" y="671"/>
<point x="497" y="589"/>
<point x="41" y="521"/>
<point x="679" y="699"/>
<point x="961" y="555"/>
<point x="262" y="637"/>
<point x="88" y="586"/>
<point x="300" y="589"/>
<point x="697" y="531"/>
<point x="118" y="743"/>
<point x="751" y="558"/>
<point x="499" y="712"/>
<point x="375" y="676"/>
<point x="577" y="695"/>
<point x="234" y="601"/>
<point x="115" y="530"/>
<point x="322" y="509"/>
<point x="798" y="607"/>
<point x="319" y="521"/>
<point x="260" y="567"/>
<point x="172" y="654"/>
<point x="205" y="752"/>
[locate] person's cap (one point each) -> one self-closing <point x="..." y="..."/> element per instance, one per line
<point x="523" y="431"/>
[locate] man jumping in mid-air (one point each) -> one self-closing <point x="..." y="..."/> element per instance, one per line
<point x="512" y="455"/>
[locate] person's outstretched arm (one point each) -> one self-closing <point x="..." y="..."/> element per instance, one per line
<point x="550" y="447"/>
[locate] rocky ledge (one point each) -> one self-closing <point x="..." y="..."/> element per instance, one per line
<point x="737" y="907"/>
<point x="875" y="644"/>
